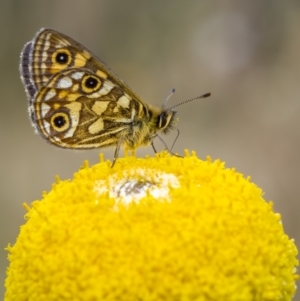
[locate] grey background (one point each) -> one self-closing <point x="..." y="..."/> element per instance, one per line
<point x="247" y="53"/>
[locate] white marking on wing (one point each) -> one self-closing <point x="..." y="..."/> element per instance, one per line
<point x="44" y="56"/>
<point x="64" y="83"/>
<point x="46" y="45"/>
<point x="106" y="88"/>
<point x="50" y="94"/>
<point x="46" y="126"/>
<point x="58" y="45"/>
<point x="77" y="75"/>
<point x="74" y="108"/>
<point x="44" y="109"/>
<point x="124" y="101"/>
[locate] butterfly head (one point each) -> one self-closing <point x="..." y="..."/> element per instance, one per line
<point x="166" y="120"/>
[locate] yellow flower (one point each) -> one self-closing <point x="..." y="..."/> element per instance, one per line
<point x="162" y="228"/>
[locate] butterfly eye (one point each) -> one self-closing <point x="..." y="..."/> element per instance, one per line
<point x="62" y="57"/>
<point x="60" y="122"/>
<point x="90" y="84"/>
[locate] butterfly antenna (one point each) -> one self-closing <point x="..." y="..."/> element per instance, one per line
<point x="168" y="97"/>
<point x="198" y="97"/>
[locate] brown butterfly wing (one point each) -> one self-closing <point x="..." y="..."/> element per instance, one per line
<point x="71" y="113"/>
<point x="66" y="109"/>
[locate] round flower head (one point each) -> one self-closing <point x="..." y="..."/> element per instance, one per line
<point x="155" y="229"/>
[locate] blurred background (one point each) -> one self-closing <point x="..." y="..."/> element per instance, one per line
<point x="246" y="53"/>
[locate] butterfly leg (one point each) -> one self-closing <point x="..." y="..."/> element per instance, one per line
<point x="154" y="149"/>
<point x="178" y="133"/>
<point x="164" y="143"/>
<point x="116" y="155"/>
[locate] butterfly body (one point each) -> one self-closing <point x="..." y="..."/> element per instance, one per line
<point x="77" y="102"/>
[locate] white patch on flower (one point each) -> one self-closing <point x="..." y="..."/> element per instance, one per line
<point x="136" y="184"/>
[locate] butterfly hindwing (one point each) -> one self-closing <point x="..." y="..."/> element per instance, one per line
<point x="79" y="109"/>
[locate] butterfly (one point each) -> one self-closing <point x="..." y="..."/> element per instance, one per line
<point x="77" y="102"/>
